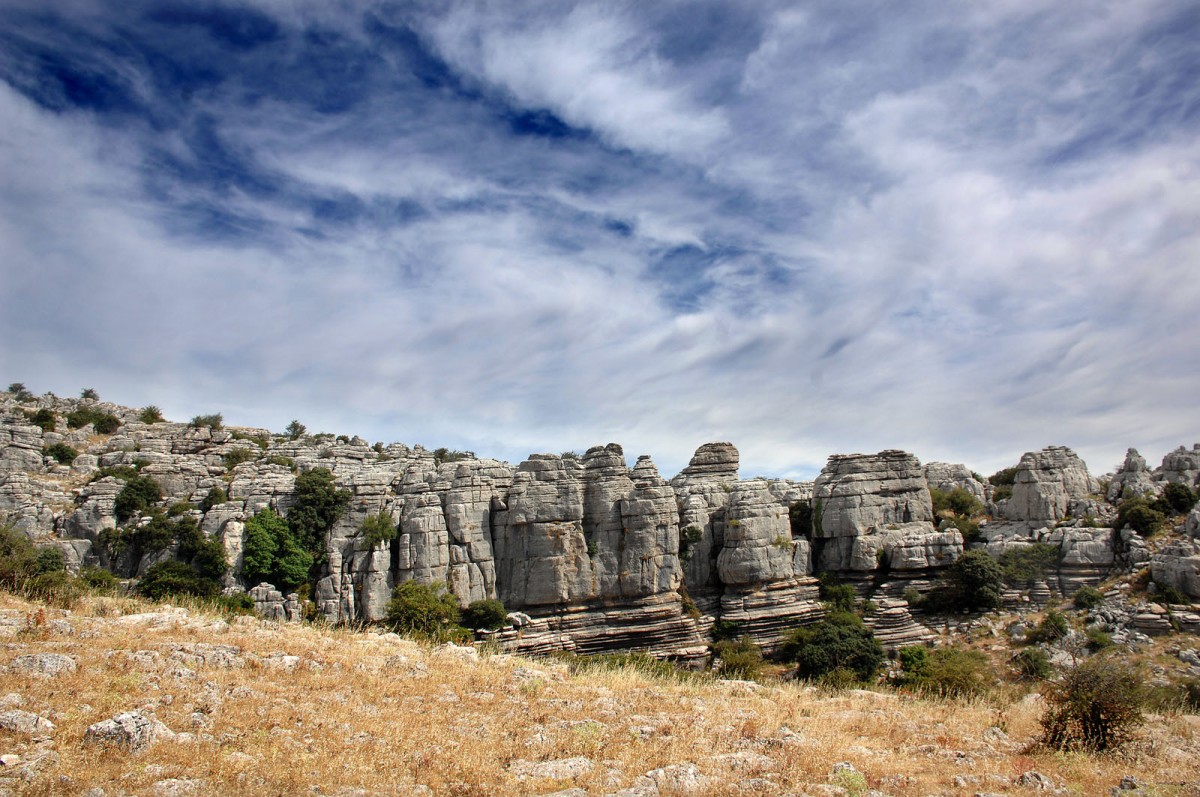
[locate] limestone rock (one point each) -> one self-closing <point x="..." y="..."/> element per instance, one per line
<point x="1047" y="483"/>
<point x="26" y="723"/>
<point x="1181" y="466"/>
<point x="758" y="545"/>
<point x="44" y="665"/>
<point x="946" y="476"/>
<point x="131" y="731"/>
<point x="1177" y="565"/>
<point x="713" y="461"/>
<point x="20" y="445"/>
<point x="1133" y="479"/>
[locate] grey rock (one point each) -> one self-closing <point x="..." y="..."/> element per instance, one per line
<point x="44" y="665"/>
<point x="946" y="476"/>
<point x="1133" y="479"/>
<point x="1047" y="483"/>
<point x="24" y="722"/>
<point x="131" y="731"/>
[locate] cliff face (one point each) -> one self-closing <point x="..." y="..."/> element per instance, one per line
<point x="593" y="554"/>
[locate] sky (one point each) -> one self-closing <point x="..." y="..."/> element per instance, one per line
<point x="965" y="230"/>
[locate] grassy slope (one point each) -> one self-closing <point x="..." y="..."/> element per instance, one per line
<point x="375" y="712"/>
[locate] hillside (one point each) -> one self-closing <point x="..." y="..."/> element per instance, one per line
<point x="245" y="706"/>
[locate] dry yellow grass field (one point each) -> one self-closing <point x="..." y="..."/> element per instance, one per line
<point x="256" y="708"/>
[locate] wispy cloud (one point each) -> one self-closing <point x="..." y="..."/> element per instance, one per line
<point x="512" y="227"/>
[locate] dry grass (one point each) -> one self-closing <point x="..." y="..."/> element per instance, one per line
<point x="360" y="712"/>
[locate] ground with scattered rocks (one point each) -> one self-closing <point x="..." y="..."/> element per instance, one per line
<point x="122" y="697"/>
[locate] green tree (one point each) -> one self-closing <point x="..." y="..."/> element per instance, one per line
<point x="1177" y="498"/>
<point x="45" y="419"/>
<point x="839" y="642"/>
<point x="215" y="495"/>
<point x="378" y="528"/>
<point x="423" y="609"/>
<point x="1028" y="562"/>
<point x="972" y="582"/>
<point x="1140" y="515"/>
<point x="213" y="421"/>
<point x="263" y="532"/>
<point x="295" y="429"/>
<point x="62" y="453"/>
<point x="175" y="578"/>
<point x="318" y="505"/>
<point x="151" y="414"/>
<point x="89" y="393"/>
<point x="139" y="493"/>
<point x="739" y="658"/>
<point x="1087" y="598"/>
<point x="485" y="614"/>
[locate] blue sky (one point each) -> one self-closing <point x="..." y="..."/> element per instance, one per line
<point x="964" y="230"/>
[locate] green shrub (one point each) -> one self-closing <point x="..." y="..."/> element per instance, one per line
<point x="1028" y="562"/>
<point x="62" y="453"/>
<point x="1098" y="640"/>
<point x="800" y="514"/>
<point x="914" y="661"/>
<point x="841" y="640"/>
<point x="838" y="596"/>
<point x="1165" y="595"/>
<point x="688" y="537"/>
<point x="18" y="558"/>
<point x="956" y="672"/>
<point x="43" y="418"/>
<point x="175" y="578"/>
<point x="99" y="580"/>
<point x="57" y="587"/>
<point x="725" y="629"/>
<point x="1177" y="498"/>
<point x="20" y="392"/>
<point x="1053" y="627"/>
<point x="295" y="429"/>
<point x="1094" y="706"/>
<point x="214" y="421"/>
<point x="378" y="528"/>
<point x="102" y="422"/>
<point x="151" y="414"/>
<point x="485" y="614"/>
<point x="204" y="554"/>
<point x="178" y="508"/>
<point x="427" y="610"/>
<point x="237" y="456"/>
<point x="957" y="501"/>
<point x="739" y="658"/>
<point x="1031" y="664"/>
<point x="1006" y="477"/>
<point x="239" y="604"/>
<point x="319" y="503"/>
<point x="49" y="560"/>
<point x="972" y="582"/>
<point x="272" y="554"/>
<point x="1087" y="598"/>
<point x="279" y="459"/>
<point x="216" y="495"/>
<point x="1139" y="515"/>
<point x="443" y="455"/>
<point x="139" y="493"/>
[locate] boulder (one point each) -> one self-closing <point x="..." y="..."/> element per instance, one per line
<point x="947" y="477"/>
<point x="1132" y="480"/>
<point x="1047" y="484"/>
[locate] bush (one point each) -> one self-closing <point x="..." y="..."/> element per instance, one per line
<point x="1139" y="515"/>
<point x="1094" y="706"/>
<point x="102" y="422"/>
<point x="214" y="421"/>
<point x="49" y="560"/>
<point x="1053" y="627"/>
<point x="1098" y="640"/>
<point x="1027" y="563"/>
<point x="840" y="641"/>
<point x="20" y="392"/>
<point x="427" y="610"/>
<point x="175" y="578"/>
<point x="216" y="495"/>
<point x="57" y="587"/>
<point x="295" y="429"/>
<point x="1177" y="498"/>
<point x="1031" y="664"/>
<point x="1087" y="598"/>
<point x="271" y="553"/>
<point x="725" y="629"/>
<point x="63" y="454"/>
<point x="378" y="528"/>
<point x="45" y="419"/>
<point x="972" y="582"/>
<point x="280" y="459"/>
<point x="237" y="604"/>
<point x="485" y="614"/>
<point x="318" y="505"/>
<point x="89" y="393"/>
<point x="1165" y="595"/>
<point x="956" y="672"/>
<point x="688" y="537"/>
<point x="151" y="414"/>
<point x="838" y="596"/>
<point x="137" y="495"/>
<point x="205" y="555"/>
<point x="98" y="579"/>
<point x="18" y="558"/>
<point x="444" y="455"/>
<point x="957" y="501"/>
<point x="237" y="456"/>
<point x="739" y="658"/>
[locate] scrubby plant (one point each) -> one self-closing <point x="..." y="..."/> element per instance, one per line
<point x="319" y="503"/>
<point x="840" y="641"/>
<point x="213" y="421"/>
<point x="102" y="422"/>
<point x="738" y="658"/>
<point x="427" y="610"/>
<point x="1028" y="562"/>
<point x="151" y="414"/>
<point x="238" y="604"/>
<point x="1053" y="627"/>
<point x="949" y="672"/>
<point x="295" y="429"/>
<point x="175" y="578"/>
<point x="1002" y="482"/>
<point x="838" y="596"/>
<point x="1098" y="640"/>
<point x="271" y="552"/>
<point x="139" y="493"/>
<point x="725" y="629"/>
<point x="43" y="418"/>
<point x="1093" y="706"/>
<point x="205" y="555"/>
<point x="487" y="614"/>
<point x="237" y="456"/>
<point x="89" y="393"/>
<point x="444" y="455"/>
<point x="1087" y="598"/>
<point x="1166" y="594"/>
<point x="20" y="392"/>
<point x="378" y="528"/>
<point x="1140" y="515"/>
<point x="688" y="537"/>
<point x="1176" y="498"/>
<point x="1031" y="664"/>
<point x="216" y="495"/>
<point x="279" y="459"/>
<point x="957" y="501"/>
<point x="98" y="579"/>
<point x="62" y="453"/>
<point x="972" y="582"/>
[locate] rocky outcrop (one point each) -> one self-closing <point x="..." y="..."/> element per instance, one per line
<point x="1178" y="565"/>
<point x="1050" y="485"/>
<point x="946" y="477"/>
<point x="1181" y="466"/>
<point x="1133" y="479"/>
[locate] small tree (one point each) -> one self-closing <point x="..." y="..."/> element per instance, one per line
<point x="20" y="392"/>
<point x="151" y="414"/>
<point x="138" y="494"/>
<point x="216" y="495"/>
<point x="974" y="581"/>
<point x="424" y="609"/>
<point x="89" y="393"/>
<point x="1028" y="562"/>
<point x="319" y="504"/>
<point x="1087" y="598"/>
<point x="1177" y="498"/>
<point x="1094" y="706"/>
<point x="839" y="642"/>
<point x="485" y="614"/>
<point x="45" y="419"/>
<point x="1140" y="515"/>
<point x="214" y="421"/>
<point x="62" y="453"/>
<point x="739" y="658"/>
<point x="295" y="429"/>
<point x="378" y="528"/>
<point x="1031" y="664"/>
